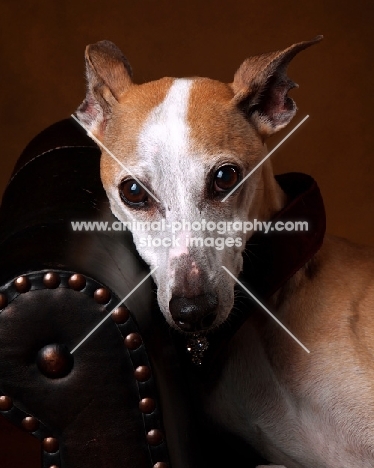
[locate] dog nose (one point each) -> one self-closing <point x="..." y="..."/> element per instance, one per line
<point x="195" y="313"/>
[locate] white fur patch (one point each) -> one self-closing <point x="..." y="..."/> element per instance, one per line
<point x="164" y="144"/>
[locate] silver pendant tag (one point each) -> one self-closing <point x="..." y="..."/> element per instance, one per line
<point x="196" y="346"/>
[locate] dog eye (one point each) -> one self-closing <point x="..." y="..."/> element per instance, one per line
<point x="226" y="178"/>
<point x="133" y="193"/>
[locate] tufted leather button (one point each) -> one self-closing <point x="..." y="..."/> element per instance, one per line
<point x="160" y="465"/>
<point x="55" y="361"/>
<point x="102" y="295"/>
<point x="22" y="284"/>
<point x="54" y="466"/>
<point x="77" y="282"/>
<point x="155" y="437"/>
<point x="133" y="341"/>
<point x="6" y="403"/>
<point x="30" y="424"/>
<point x="147" y="405"/>
<point x="142" y="373"/>
<point x="3" y="301"/>
<point x="51" y="280"/>
<point x="120" y="314"/>
<point x="50" y="445"/>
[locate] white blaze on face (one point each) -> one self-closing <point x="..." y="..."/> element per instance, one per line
<point x="180" y="247"/>
<point x="165" y="149"/>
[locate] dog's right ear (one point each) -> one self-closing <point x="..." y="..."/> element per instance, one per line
<point x="108" y="76"/>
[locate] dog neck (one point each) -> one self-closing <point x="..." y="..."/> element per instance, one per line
<point x="270" y="198"/>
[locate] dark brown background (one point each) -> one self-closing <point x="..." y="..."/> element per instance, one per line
<point x="42" y="80"/>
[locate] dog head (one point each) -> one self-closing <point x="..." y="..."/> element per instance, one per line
<point x="173" y="150"/>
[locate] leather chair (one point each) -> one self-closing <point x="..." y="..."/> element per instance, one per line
<point x="126" y="396"/>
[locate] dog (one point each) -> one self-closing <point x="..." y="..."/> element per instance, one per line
<point x="182" y="146"/>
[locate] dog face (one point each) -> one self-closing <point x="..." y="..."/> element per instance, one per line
<point x="183" y="153"/>
<point x="180" y="146"/>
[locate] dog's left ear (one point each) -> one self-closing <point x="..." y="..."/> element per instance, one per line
<point x="261" y="86"/>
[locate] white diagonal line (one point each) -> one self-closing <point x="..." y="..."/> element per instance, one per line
<point x="266" y="310"/>
<point x="265" y="158"/>
<point x="98" y="142"/>
<point x="109" y="314"/>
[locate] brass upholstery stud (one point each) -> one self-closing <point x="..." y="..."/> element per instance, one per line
<point x="22" y="284"/>
<point x="51" y="280"/>
<point x="3" y="301"/>
<point x="155" y="437"/>
<point x="50" y="445"/>
<point x="55" y="360"/>
<point x="30" y="424"/>
<point x="142" y="373"/>
<point x="77" y="282"/>
<point x="133" y="341"/>
<point x="102" y="295"/>
<point x="120" y="314"/>
<point x="6" y="403"/>
<point x="147" y="405"/>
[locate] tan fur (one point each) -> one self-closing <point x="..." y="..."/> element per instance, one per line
<point x="127" y="119"/>
<point x="308" y="410"/>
